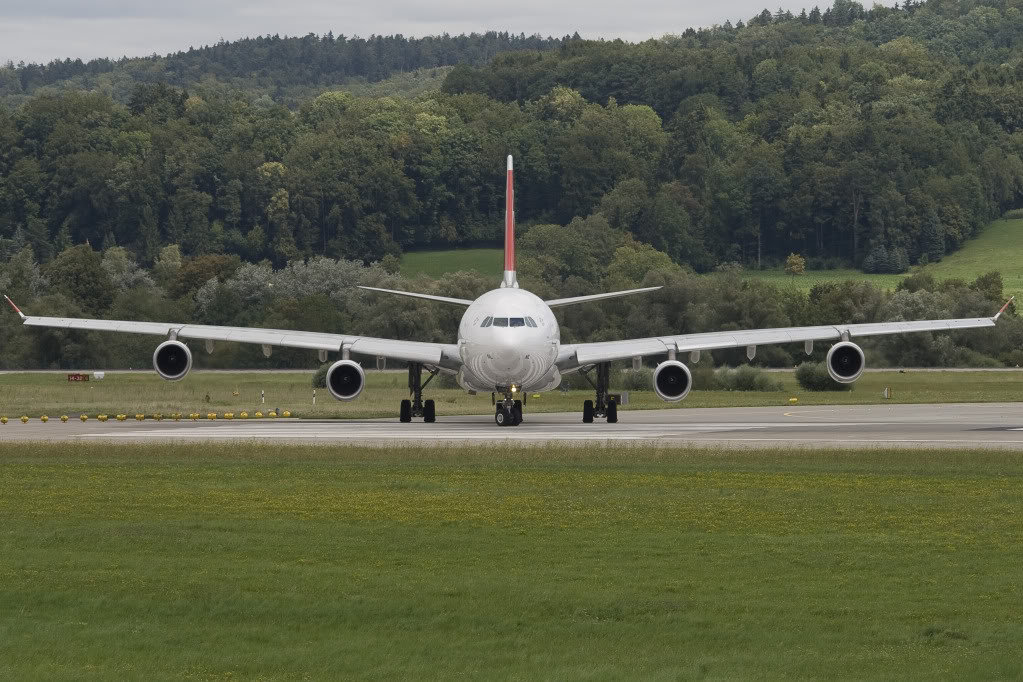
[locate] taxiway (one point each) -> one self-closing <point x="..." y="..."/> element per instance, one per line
<point x="973" y="425"/>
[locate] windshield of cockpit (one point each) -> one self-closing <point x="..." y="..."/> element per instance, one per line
<point x="509" y="322"/>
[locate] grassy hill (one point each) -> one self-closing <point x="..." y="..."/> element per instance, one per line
<point x="999" y="247"/>
<point x="437" y="263"/>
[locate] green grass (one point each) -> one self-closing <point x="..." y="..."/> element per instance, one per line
<point x="34" y="394"/>
<point x="999" y="247"/>
<point x="438" y="263"/>
<point x="266" y="562"/>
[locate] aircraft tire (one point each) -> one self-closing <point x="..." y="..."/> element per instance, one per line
<point x="504" y="417"/>
<point x="588" y="412"/>
<point x="612" y="412"/>
<point x="429" y="412"/>
<point x="405" y="415"/>
<point x="518" y="412"/>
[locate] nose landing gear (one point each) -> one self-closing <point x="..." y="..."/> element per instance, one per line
<point x="604" y="406"/>
<point x="508" y="412"/>
<point x="417" y="407"/>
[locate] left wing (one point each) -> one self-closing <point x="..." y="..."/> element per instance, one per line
<point x="574" y="356"/>
<point x="434" y="354"/>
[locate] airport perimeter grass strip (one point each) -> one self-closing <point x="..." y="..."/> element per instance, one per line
<point x="35" y="394"/>
<point x="233" y="561"/>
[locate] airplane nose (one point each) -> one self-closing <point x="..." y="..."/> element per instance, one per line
<point x="506" y="359"/>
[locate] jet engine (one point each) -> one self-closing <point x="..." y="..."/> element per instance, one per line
<point x="845" y="362"/>
<point x="672" y="381"/>
<point x="345" y="380"/>
<point x="172" y="360"/>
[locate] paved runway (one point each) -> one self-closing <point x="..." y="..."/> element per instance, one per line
<point x="947" y="425"/>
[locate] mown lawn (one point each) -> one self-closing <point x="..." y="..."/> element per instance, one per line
<point x="999" y="247"/>
<point x="222" y="562"/>
<point x="438" y="263"/>
<point x="33" y="394"/>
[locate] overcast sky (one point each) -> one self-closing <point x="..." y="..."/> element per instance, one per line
<point x="43" y="30"/>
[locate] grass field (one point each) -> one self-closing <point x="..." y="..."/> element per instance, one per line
<point x="263" y="562"/>
<point x="999" y="247"/>
<point x="438" y="263"/>
<point x="35" y="394"/>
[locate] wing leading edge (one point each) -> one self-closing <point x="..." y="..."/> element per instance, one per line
<point x="438" y="354"/>
<point x="578" y="355"/>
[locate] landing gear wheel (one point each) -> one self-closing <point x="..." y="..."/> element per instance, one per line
<point x="429" y="412"/>
<point x="588" y="412"/>
<point x="504" y="417"/>
<point x="405" y="415"/>
<point x="612" y="412"/>
<point x="518" y="412"/>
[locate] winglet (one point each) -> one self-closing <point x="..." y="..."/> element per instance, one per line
<point x="1011" y="298"/>
<point x="16" y="309"/>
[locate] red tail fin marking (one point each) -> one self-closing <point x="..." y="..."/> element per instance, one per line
<point x="509" y="222"/>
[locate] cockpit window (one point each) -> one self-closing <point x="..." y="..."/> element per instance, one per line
<point x="486" y="322"/>
<point x="500" y="321"/>
<point x="530" y="322"/>
<point x="517" y="322"/>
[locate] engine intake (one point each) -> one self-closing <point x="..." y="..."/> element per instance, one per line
<point x="172" y="360"/>
<point x="845" y="362"/>
<point x="345" y="380"/>
<point x="672" y="381"/>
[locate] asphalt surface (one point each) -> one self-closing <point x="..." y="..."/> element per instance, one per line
<point x="974" y="425"/>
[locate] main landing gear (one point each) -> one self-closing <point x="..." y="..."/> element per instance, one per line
<point x="604" y="406"/>
<point x="417" y="407"/>
<point x="508" y="412"/>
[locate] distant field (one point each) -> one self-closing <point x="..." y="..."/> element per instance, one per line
<point x="438" y="263"/>
<point x="50" y="394"/>
<point x="999" y="247"/>
<point x="260" y="562"/>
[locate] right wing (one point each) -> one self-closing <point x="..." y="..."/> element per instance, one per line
<point x="574" y="356"/>
<point x="433" y="354"/>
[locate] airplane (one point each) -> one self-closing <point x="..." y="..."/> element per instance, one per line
<point x="509" y="344"/>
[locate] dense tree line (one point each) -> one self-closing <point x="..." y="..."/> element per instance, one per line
<point x="279" y="67"/>
<point x="320" y="295"/>
<point x="880" y="138"/>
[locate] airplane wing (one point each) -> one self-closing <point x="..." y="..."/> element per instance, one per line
<point x="436" y="354"/>
<point x="574" y="356"/>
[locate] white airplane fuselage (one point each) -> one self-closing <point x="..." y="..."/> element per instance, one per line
<point x="516" y="349"/>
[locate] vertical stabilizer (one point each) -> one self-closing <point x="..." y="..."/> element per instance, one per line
<point x="509" y="232"/>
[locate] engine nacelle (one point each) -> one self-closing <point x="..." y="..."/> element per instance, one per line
<point x="845" y="362"/>
<point x="345" y="380"/>
<point x="672" y="381"/>
<point x="172" y="360"/>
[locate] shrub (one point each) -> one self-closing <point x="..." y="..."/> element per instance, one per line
<point x="320" y="378"/>
<point x="1013" y="214"/>
<point x="745" y="378"/>
<point x="643" y="380"/>
<point x="813" y="376"/>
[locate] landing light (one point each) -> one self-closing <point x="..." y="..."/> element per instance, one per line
<point x="514" y="388"/>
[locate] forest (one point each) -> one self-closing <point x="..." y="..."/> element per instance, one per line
<point x="876" y="138"/>
<point x="879" y="138"/>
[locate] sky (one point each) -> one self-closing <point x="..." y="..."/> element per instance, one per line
<point x="42" y="30"/>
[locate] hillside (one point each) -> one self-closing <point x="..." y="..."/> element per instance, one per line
<point x="287" y="69"/>
<point x="872" y="139"/>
